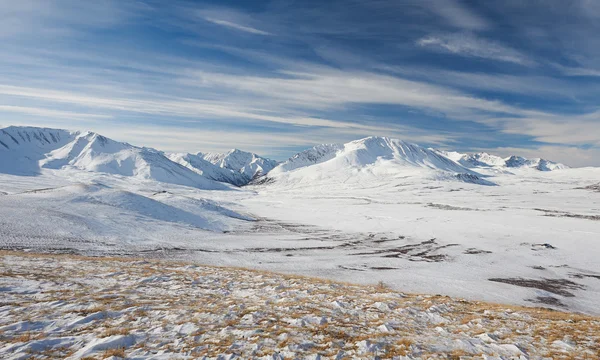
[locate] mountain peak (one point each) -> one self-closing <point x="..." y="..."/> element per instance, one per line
<point x="249" y="164"/>
<point x="367" y="160"/>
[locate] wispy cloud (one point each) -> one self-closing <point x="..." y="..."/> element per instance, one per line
<point x="550" y="128"/>
<point x="42" y="18"/>
<point x="457" y="14"/>
<point x="578" y="71"/>
<point x="36" y="111"/>
<point x="293" y="74"/>
<point x="469" y="45"/>
<point x="235" y="26"/>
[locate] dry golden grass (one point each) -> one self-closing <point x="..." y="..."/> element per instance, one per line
<point x="342" y="333"/>
<point x="120" y="352"/>
<point x="114" y="331"/>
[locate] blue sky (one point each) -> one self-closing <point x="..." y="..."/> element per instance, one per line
<point x="275" y="77"/>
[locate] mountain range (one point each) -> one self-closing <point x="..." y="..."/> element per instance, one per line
<point x="485" y="160"/>
<point x="28" y="150"/>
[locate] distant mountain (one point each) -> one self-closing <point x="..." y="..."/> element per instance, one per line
<point x="366" y="161"/>
<point x="209" y="170"/>
<point x="246" y="163"/>
<point x="27" y="150"/>
<point x="483" y="160"/>
<point x="536" y="163"/>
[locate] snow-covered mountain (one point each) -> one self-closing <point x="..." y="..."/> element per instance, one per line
<point x="485" y="160"/>
<point x="198" y="164"/>
<point x="234" y="167"/>
<point x="536" y="163"/>
<point x="21" y="148"/>
<point x="315" y="155"/>
<point x="246" y="163"/>
<point x="27" y="150"/>
<point x="366" y="160"/>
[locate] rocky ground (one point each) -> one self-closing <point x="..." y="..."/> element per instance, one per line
<point x="64" y="306"/>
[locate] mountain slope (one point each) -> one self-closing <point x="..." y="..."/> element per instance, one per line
<point x="243" y="162"/>
<point x="58" y="149"/>
<point x="364" y="161"/>
<point x="315" y="155"/>
<point x="21" y="148"/>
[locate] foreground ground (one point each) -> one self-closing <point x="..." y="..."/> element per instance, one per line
<point x="60" y="306"/>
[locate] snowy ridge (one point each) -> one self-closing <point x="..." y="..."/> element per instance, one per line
<point x="25" y="137"/>
<point x="246" y="163"/>
<point x="376" y="158"/>
<point x="481" y="159"/>
<point x="314" y="155"/>
<point x="94" y="152"/>
<point x="28" y="150"/>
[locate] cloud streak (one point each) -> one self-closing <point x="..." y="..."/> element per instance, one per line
<point x="235" y="26"/>
<point x="469" y="45"/>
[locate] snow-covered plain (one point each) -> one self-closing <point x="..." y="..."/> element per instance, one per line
<point x="368" y="211"/>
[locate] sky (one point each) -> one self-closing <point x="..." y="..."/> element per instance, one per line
<point x="276" y="77"/>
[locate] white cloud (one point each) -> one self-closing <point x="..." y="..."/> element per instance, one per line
<point x="329" y="88"/>
<point x="457" y="14"/>
<point x="50" y="112"/>
<point x="469" y="45"/>
<point x="239" y="27"/>
<point x="41" y="18"/>
<point x="578" y="71"/>
<point x="554" y="129"/>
